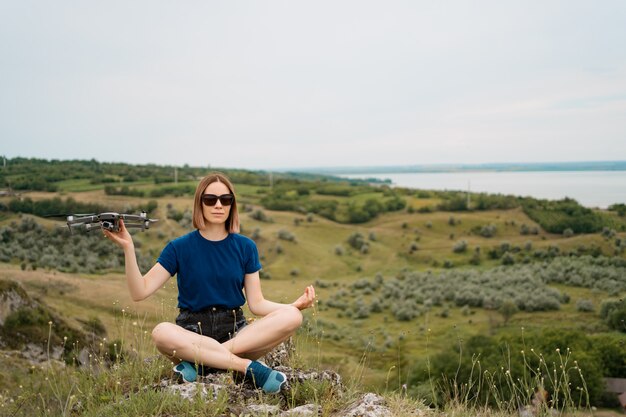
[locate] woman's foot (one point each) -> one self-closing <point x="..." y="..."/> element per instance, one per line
<point x="269" y="380"/>
<point x="187" y="371"/>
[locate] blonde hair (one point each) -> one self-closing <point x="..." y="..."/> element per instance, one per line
<point x="232" y="222"/>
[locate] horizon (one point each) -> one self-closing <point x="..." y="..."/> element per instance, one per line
<point x="330" y="169"/>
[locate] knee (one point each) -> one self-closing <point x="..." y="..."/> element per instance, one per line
<point x="292" y="318"/>
<point x="162" y="334"/>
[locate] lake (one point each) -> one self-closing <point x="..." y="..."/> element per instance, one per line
<point x="589" y="188"/>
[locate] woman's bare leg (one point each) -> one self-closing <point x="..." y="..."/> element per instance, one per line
<point x="261" y="336"/>
<point x="180" y="344"/>
<point x="252" y="342"/>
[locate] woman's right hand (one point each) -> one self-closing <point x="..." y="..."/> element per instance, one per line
<point x="123" y="239"/>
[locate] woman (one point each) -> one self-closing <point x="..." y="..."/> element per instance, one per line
<point x="213" y="265"/>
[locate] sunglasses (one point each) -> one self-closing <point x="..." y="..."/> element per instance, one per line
<point x="211" y="199"/>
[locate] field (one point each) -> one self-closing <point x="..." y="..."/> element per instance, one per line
<point x="298" y="249"/>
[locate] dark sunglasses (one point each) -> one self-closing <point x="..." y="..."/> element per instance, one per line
<point x="211" y="199"/>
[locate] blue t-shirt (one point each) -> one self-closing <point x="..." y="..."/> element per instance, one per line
<point x="210" y="273"/>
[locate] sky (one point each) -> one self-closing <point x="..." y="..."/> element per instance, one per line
<point x="295" y="84"/>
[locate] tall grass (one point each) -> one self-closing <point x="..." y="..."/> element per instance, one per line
<point x="126" y="378"/>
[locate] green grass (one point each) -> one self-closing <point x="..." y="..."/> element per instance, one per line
<point x="360" y="350"/>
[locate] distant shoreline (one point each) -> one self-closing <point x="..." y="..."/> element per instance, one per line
<point x="489" y="167"/>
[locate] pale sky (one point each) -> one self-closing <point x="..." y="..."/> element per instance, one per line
<point x="279" y="84"/>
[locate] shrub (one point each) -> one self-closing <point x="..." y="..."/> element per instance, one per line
<point x="356" y="240"/>
<point x="584" y="305"/>
<point x="260" y="216"/>
<point x="286" y="235"/>
<point x="488" y="230"/>
<point x="460" y="247"/>
<point x="507" y="259"/>
<point x="568" y="233"/>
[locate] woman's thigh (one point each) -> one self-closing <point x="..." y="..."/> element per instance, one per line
<point x="262" y="335"/>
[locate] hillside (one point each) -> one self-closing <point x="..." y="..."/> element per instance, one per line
<point x="404" y="277"/>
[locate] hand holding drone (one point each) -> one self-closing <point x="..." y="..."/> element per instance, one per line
<point x="109" y="221"/>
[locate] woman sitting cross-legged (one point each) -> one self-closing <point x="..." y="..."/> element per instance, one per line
<point x="215" y="266"/>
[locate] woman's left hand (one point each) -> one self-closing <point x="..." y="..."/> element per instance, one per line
<point x="306" y="300"/>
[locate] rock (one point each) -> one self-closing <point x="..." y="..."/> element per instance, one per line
<point x="12" y="298"/>
<point x="302" y="411"/>
<point x="297" y="375"/>
<point x="188" y="391"/>
<point x="263" y="409"/>
<point x="239" y="393"/>
<point x="32" y="323"/>
<point x="35" y="354"/>
<point x="369" y="405"/>
<point x="279" y="356"/>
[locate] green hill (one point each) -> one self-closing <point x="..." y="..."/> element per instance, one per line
<point x="402" y="276"/>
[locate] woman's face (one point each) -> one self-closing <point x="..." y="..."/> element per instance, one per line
<point x="218" y="213"/>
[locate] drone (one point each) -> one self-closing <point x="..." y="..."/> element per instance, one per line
<point x="108" y="221"/>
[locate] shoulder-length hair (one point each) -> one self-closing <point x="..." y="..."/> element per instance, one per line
<point x="232" y="222"/>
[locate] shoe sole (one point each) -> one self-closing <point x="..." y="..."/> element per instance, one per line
<point x="182" y="374"/>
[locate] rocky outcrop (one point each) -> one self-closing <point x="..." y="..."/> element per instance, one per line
<point x="27" y="324"/>
<point x="12" y="298"/>
<point x="244" y="399"/>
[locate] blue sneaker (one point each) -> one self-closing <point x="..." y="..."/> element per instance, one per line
<point x="187" y="371"/>
<point x="269" y="380"/>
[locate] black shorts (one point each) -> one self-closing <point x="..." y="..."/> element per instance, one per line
<point x="215" y="322"/>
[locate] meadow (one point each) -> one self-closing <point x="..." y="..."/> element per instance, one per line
<point x="406" y="280"/>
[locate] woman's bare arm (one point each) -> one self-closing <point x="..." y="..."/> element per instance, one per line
<point x="261" y="307"/>
<point x="140" y="287"/>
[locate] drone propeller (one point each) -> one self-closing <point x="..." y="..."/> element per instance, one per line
<point x="65" y="216"/>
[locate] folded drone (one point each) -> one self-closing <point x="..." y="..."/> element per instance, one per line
<point x="109" y="221"/>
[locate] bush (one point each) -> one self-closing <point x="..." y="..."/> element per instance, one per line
<point x="507" y="259"/>
<point x="356" y="240"/>
<point x="488" y="230"/>
<point x="286" y="235"/>
<point x="460" y="247"/>
<point x="584" y="305"/>
<point x="260" y="216"/>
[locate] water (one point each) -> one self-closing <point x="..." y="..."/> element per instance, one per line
<point x="589" y="188"/>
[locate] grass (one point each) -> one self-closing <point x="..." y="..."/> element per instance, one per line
<point x="359" y="351"/>
<point x="130" y="386"/>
